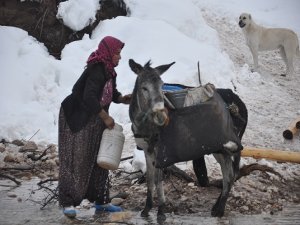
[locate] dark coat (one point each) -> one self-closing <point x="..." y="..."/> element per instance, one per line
<point x="84" y="101"/>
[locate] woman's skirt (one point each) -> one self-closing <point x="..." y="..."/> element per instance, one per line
<point x="79" y="175"/>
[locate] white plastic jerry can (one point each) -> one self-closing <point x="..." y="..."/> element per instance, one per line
<point x="111" y="147"/>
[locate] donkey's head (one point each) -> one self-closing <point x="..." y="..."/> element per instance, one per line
<point x="148" y="91"/>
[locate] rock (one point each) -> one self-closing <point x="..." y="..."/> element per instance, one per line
<point x="2" y="148"/>
<point x="56" y="176"/>
<point x="51" y="163"/>
<point x="122" y="195"/>
<point x="183" y="198"/>
<point x="11" y="194"/>
<point x="19" y="159"/>
<point x="191" y="184"/>
<point x="9" y="158"/>
<point x="117" y="201"/>
<point x="52" y="148"/>
<point x="245" y="208"/>
<point x="42" y="176"/>
<point x="30" y="146"/>
<point x="57" y="161"/>
<point x="53" y="156"/>
<point x="25" y="175"/>
<point x="17" y="142"/>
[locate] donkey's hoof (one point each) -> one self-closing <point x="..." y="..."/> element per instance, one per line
<point x="217" y="213"/>
<point x="144" y="213"/>
<point x="161" y="218"/>
<point x="203" y="181"/>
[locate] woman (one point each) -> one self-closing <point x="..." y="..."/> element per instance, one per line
<point x="82" y="119"/>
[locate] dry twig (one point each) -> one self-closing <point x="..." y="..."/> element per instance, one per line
<point x="247" y="169"/>
<point x="10" y="178"/>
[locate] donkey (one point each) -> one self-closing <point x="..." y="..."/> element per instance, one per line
<point x="148" y="116"/>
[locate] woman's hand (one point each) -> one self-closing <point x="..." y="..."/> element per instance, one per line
<point x="109" y="122"/>
<point x="125" y="99"/>
<point x="107" y="119"/>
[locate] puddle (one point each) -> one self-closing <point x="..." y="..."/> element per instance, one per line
<point x="20" y="205"/>
<point x="23" y="207"/>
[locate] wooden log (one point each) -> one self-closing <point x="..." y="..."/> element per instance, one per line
<point x="290" y="133"/>
<point x="292" y="129"/>
<point x="272" y="154"/>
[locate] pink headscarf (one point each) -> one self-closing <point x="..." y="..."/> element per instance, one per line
<point x="107" y="48"/>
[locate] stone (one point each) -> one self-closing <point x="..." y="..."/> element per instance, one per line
<point x="30" y="146"/>
<point x="117" y="201"/>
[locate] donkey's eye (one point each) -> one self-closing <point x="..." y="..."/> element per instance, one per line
<point x="144" y="89"/>
<point x="244" y="18"/>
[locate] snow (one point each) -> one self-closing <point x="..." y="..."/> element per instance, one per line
<point x="33" y="83"/>
<point x="76" y="15"/>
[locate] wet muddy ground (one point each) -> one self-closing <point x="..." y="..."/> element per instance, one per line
<point x="22" y="210"/>
<point x="265" y="200"/>
<point x="267" y="196"/>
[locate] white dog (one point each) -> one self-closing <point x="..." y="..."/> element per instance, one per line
<point x="261" y="39"/>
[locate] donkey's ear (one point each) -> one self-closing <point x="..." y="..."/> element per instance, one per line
<point x="163" y="68"/>
<point x="135" y="67"/>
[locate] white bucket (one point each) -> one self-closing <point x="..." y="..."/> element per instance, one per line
<point x="111" y="147"/>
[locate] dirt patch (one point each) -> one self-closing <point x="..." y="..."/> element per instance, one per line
<point x="260" y="192"/>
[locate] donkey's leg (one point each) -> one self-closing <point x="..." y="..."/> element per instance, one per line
<point x="236" y="165"/>
<point x="201" y="171"/>
<point x="226" y="164"/>
<point x="160" y="194"/>
<point x="150" y="181"/>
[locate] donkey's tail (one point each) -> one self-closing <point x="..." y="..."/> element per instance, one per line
<point x="297" y="51"/>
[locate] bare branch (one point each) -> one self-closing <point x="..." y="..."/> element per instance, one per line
<point x="10" y="178"/>
<point x="247" y="169"/>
